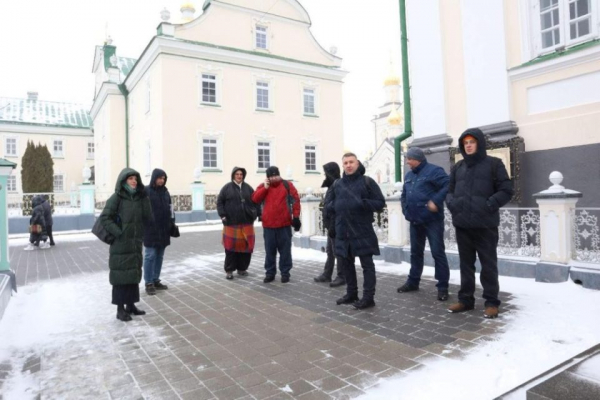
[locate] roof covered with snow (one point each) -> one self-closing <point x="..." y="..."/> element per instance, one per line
<point x="46" y="113"/>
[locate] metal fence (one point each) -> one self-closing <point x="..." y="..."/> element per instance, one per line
<point x="587" y="235"/>
<point x="20" y="204"/>
<point x="380" y="224"/>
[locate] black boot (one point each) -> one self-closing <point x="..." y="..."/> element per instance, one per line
<point x="442" y="295"/>
<point x="132" y="309"/>
<point x="407" y="287"/>
<point x="159" y="286"/>
<point x="347" y="299"/>
<point x="364" y="303"/>
<point x="150" y="289"/>
<point x="338" y="281"/>
<point x="122" y="314"/>
<point x="322" y="278"/>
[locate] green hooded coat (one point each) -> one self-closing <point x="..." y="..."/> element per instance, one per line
<point x="125" y="260"/>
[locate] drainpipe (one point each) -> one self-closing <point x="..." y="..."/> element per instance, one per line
<point x="406" y="89"/>
<point x="125" y="93"/>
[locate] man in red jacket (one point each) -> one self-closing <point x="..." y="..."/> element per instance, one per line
<point x="280" y="211"/>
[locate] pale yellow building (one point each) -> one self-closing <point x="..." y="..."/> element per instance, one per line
<point x="66" y="129"/>
<point x="243" y="83"/>
<point x="527" y="72"/>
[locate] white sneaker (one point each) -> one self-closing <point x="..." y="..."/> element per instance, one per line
<point x="44" y="245"/>
<point x="29" y="247"/>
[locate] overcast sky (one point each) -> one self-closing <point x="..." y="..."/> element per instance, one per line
<point x="48" y="46"/>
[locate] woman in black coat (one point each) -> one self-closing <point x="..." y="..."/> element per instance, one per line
<point x="157" y="235"/>
<point x="237" y="212"/>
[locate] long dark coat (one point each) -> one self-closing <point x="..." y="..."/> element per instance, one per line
<point x="332" y="174"/>
<point x="37" y="218"/>
<point x="157" y="233"/>
<point x="229" y="201"/>
<point x="125" y="259"/>
<point x="47" y="212"/>
<point x="354" y="199"/>
<point x="424" y="183"/>
<point x="476" y="193"/>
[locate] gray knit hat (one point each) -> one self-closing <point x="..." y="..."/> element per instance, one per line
<point x="416" y="153"/>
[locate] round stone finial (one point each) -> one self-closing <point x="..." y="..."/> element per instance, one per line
<point x="556" y="177"/>
<point x="398" y="186"/>
<point x="309" y="191"/>
<point x="165" y="14"/>
<point x="197" y="174"/>
<point x="109" y="40"/>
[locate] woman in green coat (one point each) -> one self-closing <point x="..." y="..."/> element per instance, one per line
<point x="123" y="217"/>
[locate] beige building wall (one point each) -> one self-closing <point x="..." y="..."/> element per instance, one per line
<point x="70" y="164"/>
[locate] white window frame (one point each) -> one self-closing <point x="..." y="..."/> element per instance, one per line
<point x="148" y="96"/>
<point x="93" y="154"/>
<point x="260" y="85"/>
<point x="63" y="148"/>
<point x="262" y="145"/>
<point x="16" y="152"/>
<point x="315" y="152"/>
<point x="535" y="31"/>
<point x="205" y="78"/>
<point x="213" y="144"/>
<point x="211" y="135"/>
<point x="261" y="30"/>
<point x="217" y="72"/>
<point x="12" y="179"/>
<point x="64" y="179"/>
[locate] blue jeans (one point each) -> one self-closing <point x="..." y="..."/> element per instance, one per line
<point x="434" y="232"/>
<point x="278" y="239"/>
<point x="153" y="259"/>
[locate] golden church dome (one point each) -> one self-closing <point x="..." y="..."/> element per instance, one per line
<point x="394" y="118"/>
<point x="188" y="4"/>
<point x="392" y="80"/>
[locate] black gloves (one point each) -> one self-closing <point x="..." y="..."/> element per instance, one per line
<point x="331" y="232"/>
<point x="296" y="224"/>
<point x="224" y="220"/>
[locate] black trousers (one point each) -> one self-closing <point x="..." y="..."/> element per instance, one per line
<point x="49" y="232"/>
<point x="330" y="262"/>
<point x="481" y="243"/>
<point x="369" y="279"/>
<point x="237" y="261"/>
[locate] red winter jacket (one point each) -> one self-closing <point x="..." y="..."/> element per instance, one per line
<point x="275" y="211"/>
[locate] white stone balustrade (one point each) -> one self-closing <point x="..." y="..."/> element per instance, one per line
<point x="310" y="212"/>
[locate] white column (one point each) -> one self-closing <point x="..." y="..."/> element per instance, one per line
<point x="557" y="207"/>
<point x="310" y="212"/>
<point x="398" y="226"/>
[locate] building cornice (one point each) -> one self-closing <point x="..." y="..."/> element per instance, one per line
<point x="205" y="51"/>
<point x="107" y="89"/>
<point x="40" y="129"/>
<point x="556" y="62"/>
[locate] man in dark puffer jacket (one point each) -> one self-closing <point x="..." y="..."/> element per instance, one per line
<point x="157" y="233"/>
<point x="479" y="186"/>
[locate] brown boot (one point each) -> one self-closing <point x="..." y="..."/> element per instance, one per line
<point x="490" y="312"/>
<point x="459" y="307"/>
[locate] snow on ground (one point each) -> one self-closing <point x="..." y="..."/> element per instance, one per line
<point x="82" y="236"/>
<point x="554" y="322"/>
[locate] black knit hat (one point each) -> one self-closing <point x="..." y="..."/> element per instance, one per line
<point x="272" y="171"/>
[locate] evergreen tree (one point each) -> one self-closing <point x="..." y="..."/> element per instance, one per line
<point x="37" y="170"/>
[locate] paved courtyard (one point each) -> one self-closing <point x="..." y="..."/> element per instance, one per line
<point x="209" y="338"/>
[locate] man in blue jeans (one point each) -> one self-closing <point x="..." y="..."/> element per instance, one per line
<point x="157" y="233"/>
<point x="281" y="212"/>
<point x="423" y="194"/>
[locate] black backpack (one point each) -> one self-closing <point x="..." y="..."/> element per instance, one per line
<point x="101" y="232"/>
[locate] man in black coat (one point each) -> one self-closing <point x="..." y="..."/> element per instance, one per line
<point x="354" y="199"/>
<point x="423" y="194"/>
<point x="479" y="186"/>
<point x="332" y="173"/>
<point x="157" y="234"/>
<point x="48" y="218"/>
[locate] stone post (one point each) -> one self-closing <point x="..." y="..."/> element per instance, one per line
<point x="8" y="281"/>
<point x="398" y="228"/>
<point x="309" y="217"/>
<point x="197" y="196"/>
<point x="557" y="207"/>
<point x="88" y="200"/>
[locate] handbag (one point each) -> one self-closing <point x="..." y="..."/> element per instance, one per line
<point x="249" y="209"/>
<point x="36" y="229"/>
<point x="174" y="231"/>
<point x="100" y="231"/>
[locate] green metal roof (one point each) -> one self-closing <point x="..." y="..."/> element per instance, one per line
<point x="6" y="163"/>
<point x="46" y="113"/>
<point x="125" y="65"/>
